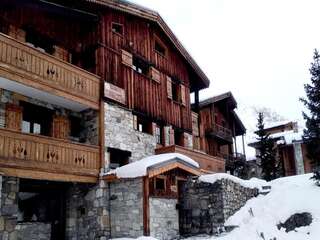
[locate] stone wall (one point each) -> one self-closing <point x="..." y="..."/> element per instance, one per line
<point x="164" y="218"/>
<point x="120" y="134"/>
<point x="205" y="207"/>
<point x="87" y="215"/>
<point x="9" y="207"/>
<point x="33" y="231"/>
<point x="126" y="204"/>
<point x="103" y="210"/>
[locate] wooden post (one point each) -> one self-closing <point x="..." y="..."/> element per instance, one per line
<point x="196" y="100"/>
<point x="102" y="111"/>
<point x="243" y="146"/>
<point x="235" y="139"/>
<point x="146" y="209"/>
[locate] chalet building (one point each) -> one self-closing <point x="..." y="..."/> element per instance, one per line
<point x="216" y="127"/>
<point x="87" y="87"/>
<point x="290" y="149"/>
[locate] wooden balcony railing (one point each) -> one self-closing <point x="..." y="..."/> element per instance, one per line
<point x="207" y="162"/>
<point x="29" y="66"/>
<point x="40" y="157"/>
<point x="220" y="132"/>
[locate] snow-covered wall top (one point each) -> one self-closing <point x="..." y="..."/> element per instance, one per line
<point x="252" y="183"/>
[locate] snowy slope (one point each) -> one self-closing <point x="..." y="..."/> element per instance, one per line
<point x="288" y="196"/>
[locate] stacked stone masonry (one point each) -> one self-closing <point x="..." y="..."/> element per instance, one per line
<point x="205" y="207"/>
<point x="120" y="134"/>
<point x="164" y="218"/>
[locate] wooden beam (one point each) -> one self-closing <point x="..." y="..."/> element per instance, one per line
<point x="146" y="207"/>
<point x="41" y="175"/>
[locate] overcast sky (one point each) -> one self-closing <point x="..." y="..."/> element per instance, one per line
<point x="260" y="50"/>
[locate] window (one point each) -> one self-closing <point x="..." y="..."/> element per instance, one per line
<point x="140" y="66"/>
<point x="117" y="28"/>
<point x="39" y="41"/>
<point x="160" y="48"/>
<point x="36" y="119"/>
<point x="158" y="134"/>
<point x="160" y="183"/>
<point x="75" y="127"/>
<point x="175" y="92"/>
<point x="118" y="158"/>
<point x="143" y="125"/>
<point x="178" y="137"/>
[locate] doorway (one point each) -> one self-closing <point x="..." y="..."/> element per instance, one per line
<point x="43" y="202"/>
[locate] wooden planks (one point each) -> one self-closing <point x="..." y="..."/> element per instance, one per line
<point x="39" y="153"/>
<point x="26" y="65"/>
<point x="206" y="162"/>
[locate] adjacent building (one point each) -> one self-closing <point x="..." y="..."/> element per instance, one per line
<point x="290" y="148"/>
<point x="90" y="86"/>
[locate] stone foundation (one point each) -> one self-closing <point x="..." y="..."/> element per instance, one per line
<point x="164" y="218"/>
<point x="9" y="207"/>
<point x="33" y="231"/>
<point x="206" y="207"/>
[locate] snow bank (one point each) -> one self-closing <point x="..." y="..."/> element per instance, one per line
<point x="252" y="183"/>
<point x="140" y="238"/>
<point x="140" y="168"/>
<point x="288" y="196"/>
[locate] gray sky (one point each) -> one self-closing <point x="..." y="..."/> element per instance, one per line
<point x="258" y="49"/>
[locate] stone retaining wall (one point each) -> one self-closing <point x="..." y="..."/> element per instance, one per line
<point x="205" y="207"/>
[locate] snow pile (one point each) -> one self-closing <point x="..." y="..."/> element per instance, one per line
<point x="140" y="168"/>
<point x="288" y="196"/>
<point x="252" y="183"/>
<point x="140" y="238"/>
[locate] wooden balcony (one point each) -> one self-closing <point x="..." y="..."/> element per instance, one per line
<point x="33" y="68"/>
<point x="45" y="158"/>
<point x="220" y="133"/>
<point x="207" y="162"/>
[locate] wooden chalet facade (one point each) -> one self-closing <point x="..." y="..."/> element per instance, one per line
<point x="291" y="150"/>
<point x="87" y="86"/>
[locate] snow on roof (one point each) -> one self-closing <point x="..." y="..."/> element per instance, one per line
<point x="252" y="183"/>
<point x="275" y="124"/>
<point x="288" y="136"/>
<point x="140" y="168"/>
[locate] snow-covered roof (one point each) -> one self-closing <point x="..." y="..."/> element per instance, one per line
<point x="140" y="168"/>
<point x="252" y="183"/>
<point x="276" y="124"/>
<point x="288" y="136"/>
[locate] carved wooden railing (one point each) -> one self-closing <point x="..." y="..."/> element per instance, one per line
<point x="29" y="66"/>
<point x="40" y="153"/>
<point x="207" y="162"/>
<point x="221" y="132"/>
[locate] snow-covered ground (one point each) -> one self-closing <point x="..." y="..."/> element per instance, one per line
<point x="288" y="196"/>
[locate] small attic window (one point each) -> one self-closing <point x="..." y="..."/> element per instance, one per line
<point x="159" y="47"/>
<point x="117" y="28"/>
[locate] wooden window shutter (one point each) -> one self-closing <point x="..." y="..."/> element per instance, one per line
<point x="185" y="140"/>
<point x="155" y="75"/>
<point x="171" y="136"/>
<point x="127" y="58"/>
<point x="183" y="94"/>
<point x="135" y="122"/>
<point x="13" y="117"/>
<point x="60" y="127"/>
<point x="154" y="129"/>
<point x="169" y="87"/>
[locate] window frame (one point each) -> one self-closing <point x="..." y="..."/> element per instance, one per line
<point x="119" y="25"/>
<point x="164" y="179"/>
<point x="158" y="41"/>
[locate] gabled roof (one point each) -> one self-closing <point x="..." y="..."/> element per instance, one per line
<point x="153" y="166"/>
<point x="219" y="98"/>
<point x="154" y="16"/>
